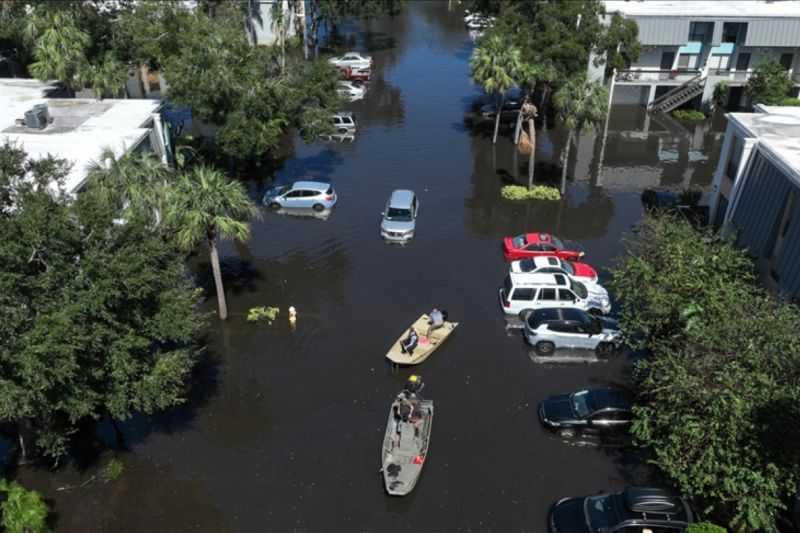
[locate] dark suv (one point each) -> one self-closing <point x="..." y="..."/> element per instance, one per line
<point x="633" y="510"/>
<point x="596" y="410"/>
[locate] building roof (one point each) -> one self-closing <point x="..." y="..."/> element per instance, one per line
<point x="777" y="130"/>
<point x="81" y="128"/>
<point x="727" y="9"/>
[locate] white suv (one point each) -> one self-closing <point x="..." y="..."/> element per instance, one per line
<point x="523" y="291"/>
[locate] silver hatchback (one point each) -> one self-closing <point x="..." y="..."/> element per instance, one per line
<point x="317" y="195"/>
<point x="400" y="216"/>
<point x="548" y="329"/>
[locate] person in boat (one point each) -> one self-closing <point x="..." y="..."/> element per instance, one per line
<point x="408" y="344"/>
<point x="436" y="320"/>
<point x="413" y="385"/>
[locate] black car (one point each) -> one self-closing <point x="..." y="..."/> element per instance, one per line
<point x="635" y="509"/>
<point x="595" y="410"/>
<point x="509" y="111"/>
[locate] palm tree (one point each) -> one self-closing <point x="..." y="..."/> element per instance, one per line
<point x="59" y="48"/>
<point x="204" y="205"/>
<point x="495" y="63"/>
<point x="107" y="77"/>
<point x="580" y="103"/>
<point x="280" y="24"/>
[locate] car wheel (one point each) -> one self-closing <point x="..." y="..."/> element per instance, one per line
<point x="274" y="206"/>
<point x="545" y="348"/>
<point x="318" y="207"/>
<point x="604" y="349"/>
<point x="566" y="433"/>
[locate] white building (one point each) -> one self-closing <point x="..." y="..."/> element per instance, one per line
<point x="756" y="192"/>
<point x="80" y="128"/>
<point x="689" y="46"/>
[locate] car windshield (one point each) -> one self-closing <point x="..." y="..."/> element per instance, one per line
<point x="582" y="403"/>
<point x="558" y="243"/>
<point x="519" y="241"/>
<point x="600" y="512"/>
<point x="568" y="268"/>
<point x="579" y="289"/>
<point x="527" y="265"/>
<point x="400" y="215"/>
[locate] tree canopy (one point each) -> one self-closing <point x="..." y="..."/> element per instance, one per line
<point x="97" y="318"/>
<point x="718" y="394"/>
<point x="769" y="84"/>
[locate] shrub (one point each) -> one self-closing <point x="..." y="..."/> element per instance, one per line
<point x="689" y="115"/>
<point x="789" y="101"/>
<point x="257" y="314"/>
<point x="705" y="527"/>
<point x="720" y="96"/>
<point x="113" y="469"/>
<point x="538" y="192"/>
<point x="23" y="510"/>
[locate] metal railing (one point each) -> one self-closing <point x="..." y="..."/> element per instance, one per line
<point x="678" y="76"/>
<point x="731" y="75"/>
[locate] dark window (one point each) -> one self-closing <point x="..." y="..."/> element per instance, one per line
<point x="548" y="247"/>
<point x="787" y="60"/>
<point x="562" y="327"/>
<point x="547" y="294"/>
<point x="743" y="61"/>
<point x="550" y="270"/>
<point x="295" y="194"/>
<point x="542" y="315"/>
<point x="565" y="295"/>
<point x="560" y="279"/>
<point x="523" y="294"/>
<point x="667" y="60"/>
<point x="553" y="261"/>
<point x="329" y="191"/>
<point x="575" y="315"/>
<point x="534" y="247"/>
<point x="700" y="31"/>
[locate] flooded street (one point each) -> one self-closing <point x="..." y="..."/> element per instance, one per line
<point x="283" y="431"/>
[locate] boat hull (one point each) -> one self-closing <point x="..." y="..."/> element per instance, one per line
<point x="426" y="345"/>
<point x="405" y="448"/>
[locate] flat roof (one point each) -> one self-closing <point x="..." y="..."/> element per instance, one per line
<point x="81" y="128"/>
<point x="777" y="130"/>
<point x="726" y="9"/>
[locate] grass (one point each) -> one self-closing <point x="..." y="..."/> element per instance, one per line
<point x="538" y="192"/>
<point x="113" y="469"/>
<point x="689" y="115"/>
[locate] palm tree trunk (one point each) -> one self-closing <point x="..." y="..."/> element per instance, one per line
<point x="532" y="157"/>
<point x="565" y="161"/>
<point x="497" y="118"/>
<point x="223" y="306"/>
<point x="518" y="127"/>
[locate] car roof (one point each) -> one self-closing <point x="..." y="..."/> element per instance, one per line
<point x="343" y="114"/>
<point x="538" y="237"/>
<point x="401" y="198"/>
<point x="546" y="261"/>
<point x="614" y="398"/>
<point x="313" y="185"/>
<point x="527" y="279"/>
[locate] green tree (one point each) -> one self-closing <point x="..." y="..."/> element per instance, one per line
<point x="705" y="527"/>
<point x="107" y="77"/>
<point x="494" y="65"/>
<point x="97" y="318"/>
<point x="580" y="103"/>
<point x="204" y="206"/>
<point x="720" y="385"/>
<point x="59" y="47"/>
<point x="23" y="510"/>
<point x="769" y="84"/>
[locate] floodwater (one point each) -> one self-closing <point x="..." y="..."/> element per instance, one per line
<point x="284" y="427"/>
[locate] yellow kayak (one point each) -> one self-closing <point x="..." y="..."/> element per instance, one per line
<point x="426" y="345"/>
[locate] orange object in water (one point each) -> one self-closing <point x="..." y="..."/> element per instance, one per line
<point x="419" y="459"/>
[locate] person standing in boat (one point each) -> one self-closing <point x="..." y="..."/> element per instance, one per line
<point x="436" y="320"/>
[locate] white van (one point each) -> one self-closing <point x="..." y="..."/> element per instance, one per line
<point x="522" y="291"/>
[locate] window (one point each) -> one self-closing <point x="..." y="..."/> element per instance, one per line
<point x="547" y="294"/>
<point x="542" y="315"/>
<point x="524" y="294"/>
<point x="683" y="61"/>
<point x="560" y="279"/>
<point x="743" y="61"/>
<point x="575" y="315"/>
<point x="565" y="295"/>
<point x="786" y="61"/>
<point x="700" y="31"/>
<point x="552" y="261"/>
<point x="562" y="327"/>
<point x="295" y="194"/>
<point x="667" y="60"/>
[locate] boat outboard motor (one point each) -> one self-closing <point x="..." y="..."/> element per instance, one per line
<point x="414" y="384"/>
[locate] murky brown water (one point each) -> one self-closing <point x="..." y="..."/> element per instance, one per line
<point x="284" y="429"/>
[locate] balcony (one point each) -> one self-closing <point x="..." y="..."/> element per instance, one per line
<point x="667" y="77"/>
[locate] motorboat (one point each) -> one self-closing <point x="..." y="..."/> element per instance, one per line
<point x="427" y="343"/>
<point x="407" y="439"/>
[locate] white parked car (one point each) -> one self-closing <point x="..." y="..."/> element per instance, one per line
<point x="351" y="91"/>
<point x="354" y="60"/>
<point x="553" y="265"/>
<point x="344" y="122"/>
<point x="522" y="291"/>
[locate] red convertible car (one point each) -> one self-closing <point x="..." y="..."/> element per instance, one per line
<point x="540" y="244"/>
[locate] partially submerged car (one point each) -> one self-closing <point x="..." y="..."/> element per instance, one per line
<point x="352" y="59"/>
<point x="551" y="328"/>
<point x="554" y="265"/>
<point x="594" y="410"/>
<point x="351" y="90"/>
<point x="316" y="195"/>
<point x="399" y="218"/>
<point x="521" y="292"/>
<point x="540" y="244"/>
<point x="634" y="509"/>
<point x="344" y="122"/>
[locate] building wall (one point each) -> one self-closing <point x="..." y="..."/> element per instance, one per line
<point x="260" y="26"/>
<point x="663" y="31"/>
<point x="773" y="32"/>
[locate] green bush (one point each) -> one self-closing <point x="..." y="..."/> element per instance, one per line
<point x="23" y="510"/>
<point x="789" y="101"/>
<point x="538" y="192"/>
<point x="705" y="527"/>
<point x="257" y="314"/>
<point x="113" y="469"/>
<point x="689" y="115"/>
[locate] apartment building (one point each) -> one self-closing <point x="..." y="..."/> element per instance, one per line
<point x="756" y="192"/>
<point x="688" y="47"/>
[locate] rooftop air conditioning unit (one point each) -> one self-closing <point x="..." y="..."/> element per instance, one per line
<point x="37" y="117"/>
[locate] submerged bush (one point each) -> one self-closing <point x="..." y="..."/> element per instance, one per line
<point x="113" y="469"/>
<point x="257" y="314"/>
<point x="538" y="192"/>
<point x="689" y="115"/>
<point x="705" y="527"/>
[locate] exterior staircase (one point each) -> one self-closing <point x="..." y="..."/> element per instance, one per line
<point x="679" y="95"/>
